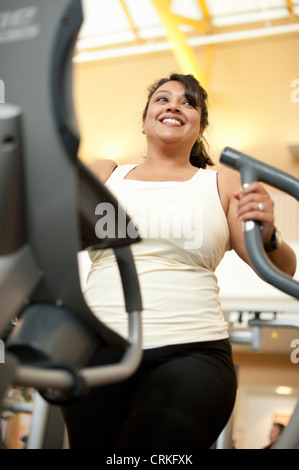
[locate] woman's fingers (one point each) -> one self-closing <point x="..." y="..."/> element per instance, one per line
<point x="255" y="203"/>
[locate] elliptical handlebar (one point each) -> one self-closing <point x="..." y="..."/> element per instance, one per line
<point x="252" y="170"/>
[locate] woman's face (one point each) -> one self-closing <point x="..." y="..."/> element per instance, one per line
<point x="170" y="117"/>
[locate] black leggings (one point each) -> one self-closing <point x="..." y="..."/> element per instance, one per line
<point x="181" y="397"/>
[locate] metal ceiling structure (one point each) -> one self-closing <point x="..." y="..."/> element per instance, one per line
<point x="117" y="28"/>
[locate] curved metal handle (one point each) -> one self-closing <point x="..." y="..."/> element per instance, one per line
<point x="253" y="170"/>
<point x="129" y="278"/>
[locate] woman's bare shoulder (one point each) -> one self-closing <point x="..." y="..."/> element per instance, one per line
<point x="229" y="181"/>
<point x="103" y="168"/>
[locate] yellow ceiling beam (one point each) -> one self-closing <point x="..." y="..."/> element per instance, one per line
<point x="130" y="20"/>
<point x="199" y="25"/>
<point x="290" y="8"/>
<point x="183" y="53"/>
<point x="205" y="10"/>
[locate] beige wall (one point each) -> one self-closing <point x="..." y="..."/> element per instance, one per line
<point x="266" y="369"/>
<point x="249" y="84"/>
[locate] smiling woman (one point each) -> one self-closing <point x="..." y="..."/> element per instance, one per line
<point x="193" y="96"/>
<point x="183" y="393"/>
<point x="168" y="111"/>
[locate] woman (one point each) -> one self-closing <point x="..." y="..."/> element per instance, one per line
<point x="184" y="390"/>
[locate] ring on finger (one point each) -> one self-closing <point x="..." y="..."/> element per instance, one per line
<point x="260" y="206"/>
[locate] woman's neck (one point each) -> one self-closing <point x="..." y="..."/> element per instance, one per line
<point x="170" y="160"/>
<point x="161" y="169"/>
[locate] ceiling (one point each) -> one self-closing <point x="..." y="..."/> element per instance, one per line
<point x="116" y="28"/>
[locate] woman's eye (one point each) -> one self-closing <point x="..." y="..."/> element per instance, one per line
<point x="161" y="98"/>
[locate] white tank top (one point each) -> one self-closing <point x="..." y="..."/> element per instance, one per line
<point x="184" y="237"/>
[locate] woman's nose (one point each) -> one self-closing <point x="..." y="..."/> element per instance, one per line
<point x="173" y="107"/>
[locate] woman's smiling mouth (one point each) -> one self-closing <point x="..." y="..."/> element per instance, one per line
<point x="172" y="122"/>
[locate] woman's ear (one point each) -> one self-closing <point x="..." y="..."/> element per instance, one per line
<point x="200" y="134"/>
<point x="143" y="124"/>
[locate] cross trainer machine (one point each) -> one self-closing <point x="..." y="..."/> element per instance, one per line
<point x="47" y="203"/>
<point x="47" y="215"/>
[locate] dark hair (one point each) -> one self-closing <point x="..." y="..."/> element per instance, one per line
<point x="197" y="96"/>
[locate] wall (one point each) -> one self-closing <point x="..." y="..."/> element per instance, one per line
<point x="241" y="288"/>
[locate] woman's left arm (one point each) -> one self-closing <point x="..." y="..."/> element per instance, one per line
<point x="254" y="203"/>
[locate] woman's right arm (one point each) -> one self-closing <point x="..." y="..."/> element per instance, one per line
<point x="102" y="169"/>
